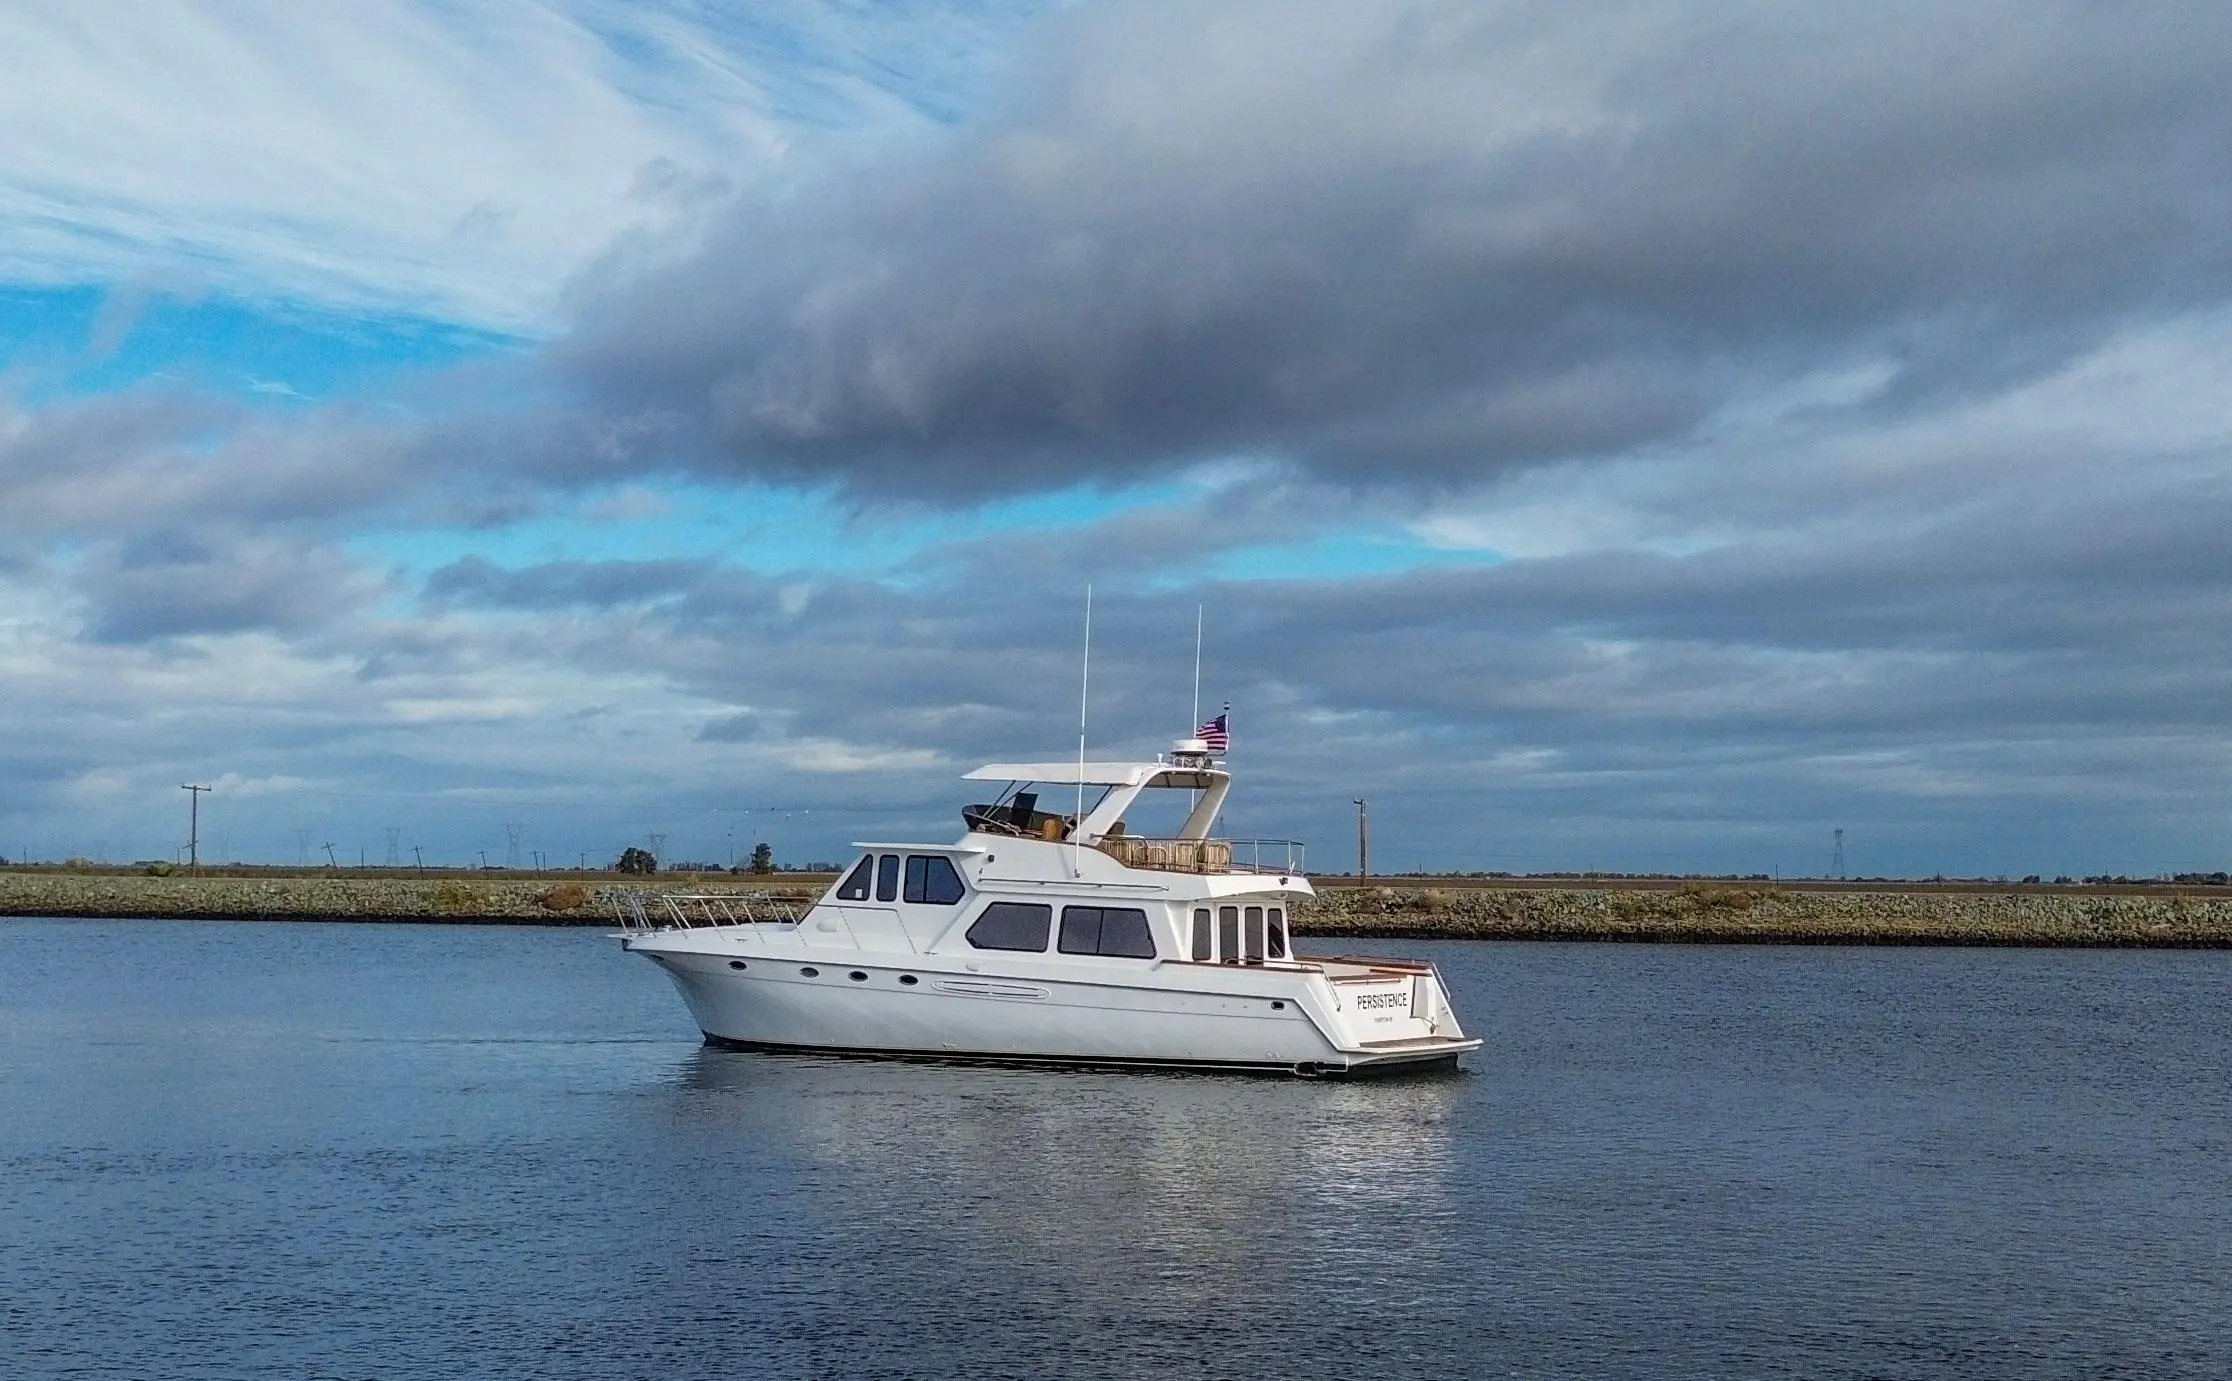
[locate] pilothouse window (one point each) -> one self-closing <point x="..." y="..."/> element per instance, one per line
<point x="855" y="886"/>
<point x="932" y="880"/>
<point x="887" y="878"/>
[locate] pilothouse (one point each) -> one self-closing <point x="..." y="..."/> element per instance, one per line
<point x="1053" y="930"/>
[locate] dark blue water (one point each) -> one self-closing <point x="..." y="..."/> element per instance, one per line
<point x="248" y="1151"/>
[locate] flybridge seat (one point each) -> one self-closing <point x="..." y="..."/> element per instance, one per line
<point x="1017" y="815"/>
<point x="1169" y="855"/>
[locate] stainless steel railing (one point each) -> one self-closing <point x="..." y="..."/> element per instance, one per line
<point x="651" y="911"/>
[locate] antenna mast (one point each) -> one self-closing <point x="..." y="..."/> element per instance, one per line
<point x="1084" y="689"/>
<point x="1196" y="720"/>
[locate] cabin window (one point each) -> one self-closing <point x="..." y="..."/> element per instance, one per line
<point x="1013" y="925"/>
<point x="932" y="881"/>
<point x="1228" y="934"/>
<point x="1112" y="931"/>
<point x="1204" y="939"/>
<point x="1251" y="937"/>
<point x="855" y="885"/>
<point x="1276" y="941"/>
<point x="887" y="878"/>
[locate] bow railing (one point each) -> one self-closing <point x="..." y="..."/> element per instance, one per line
<point x="650" y="911"/>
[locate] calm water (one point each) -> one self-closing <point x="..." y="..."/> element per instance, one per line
<point x="244" y="1151"/>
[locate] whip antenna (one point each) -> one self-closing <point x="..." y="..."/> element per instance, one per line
<point x="1197" y="669"/>
<point x="1084" y="691"/>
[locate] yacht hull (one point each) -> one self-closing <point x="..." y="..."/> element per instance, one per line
<point x="1220" y="1018"/>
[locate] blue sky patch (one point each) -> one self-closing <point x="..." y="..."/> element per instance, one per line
<point x="85" y="341"/>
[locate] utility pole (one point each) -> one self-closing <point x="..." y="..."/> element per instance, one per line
<point x="193" y="825"/>
<point x="421" y="857"/>
<point x="331" y="861"/>
<point x="1363" y="841"/>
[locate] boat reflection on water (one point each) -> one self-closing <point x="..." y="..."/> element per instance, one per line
<point x="1126" y="1192"/>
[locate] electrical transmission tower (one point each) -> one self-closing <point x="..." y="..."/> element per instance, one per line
<point x="302" y="846"/>
<point x="512" y="832"/>
<point x="658" y="846"/>
<point x="395" y="842"/>
<point x="1836" y="858"/>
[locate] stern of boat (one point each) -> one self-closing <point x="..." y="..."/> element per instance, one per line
<point x="1392" y="1015"/>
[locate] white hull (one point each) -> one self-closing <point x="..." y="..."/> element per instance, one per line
<point x="1272" y="1017"/>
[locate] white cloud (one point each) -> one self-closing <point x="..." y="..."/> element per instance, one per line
<point x="455" y="161"/>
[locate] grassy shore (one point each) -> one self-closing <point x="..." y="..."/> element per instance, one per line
<point x="1759" y="913"/>
<point x="1520" y="910"/>
<point x="510" y="899"/>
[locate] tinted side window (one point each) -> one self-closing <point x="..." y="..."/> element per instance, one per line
<point x="1081" y="930"/>
<point x="932" y="880"/>
<point x="1278" y="933"/>
<point x="1012" y="925"/>
<point x="1228" y="933"/>
<point x="856" y="882"/>
<point x="1117" y="932"/>
<point x="1201" y="936"/>
<point x="1124" y="934"/>
<point x="1251" y="938"/>
<point x="887" y="878"/>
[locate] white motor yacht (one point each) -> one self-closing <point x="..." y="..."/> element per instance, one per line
<point x="1065" y="938"/>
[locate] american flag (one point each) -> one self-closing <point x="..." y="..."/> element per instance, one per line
<point x="1216" y="734"/>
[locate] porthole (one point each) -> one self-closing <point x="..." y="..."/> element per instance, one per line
<point x="1277" y="1006"/>
<point x="811" y="973"/>
<point x="736" y="963"/>
<point x="857" y="976"/>
<point x="909" y="979"/>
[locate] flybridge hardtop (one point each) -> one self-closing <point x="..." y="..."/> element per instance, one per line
<point x="1051" y="931"/>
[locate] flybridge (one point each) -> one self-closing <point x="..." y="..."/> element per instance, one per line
<point x="1187" y="767"/>
<point x="1017" y="813"/>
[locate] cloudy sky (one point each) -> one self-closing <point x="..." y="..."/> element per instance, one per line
<point x="1643" y="436"/>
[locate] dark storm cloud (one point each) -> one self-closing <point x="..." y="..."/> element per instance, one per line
<point x="1419" y="243"/>
<point x="172" y="586"/>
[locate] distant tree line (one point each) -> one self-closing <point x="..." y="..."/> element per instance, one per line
<point x="638" y="861"/>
